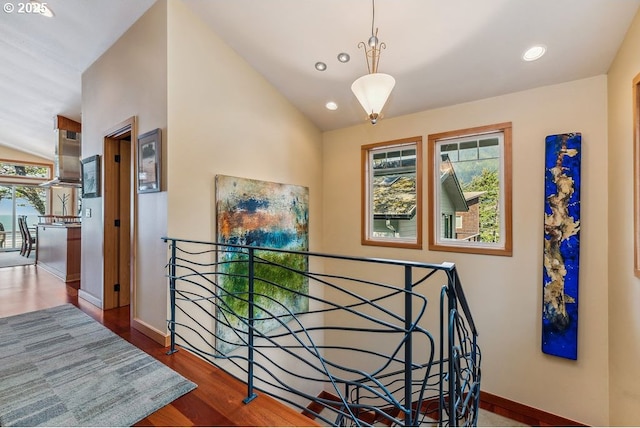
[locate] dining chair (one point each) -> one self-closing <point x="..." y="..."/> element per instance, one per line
<point x="23" y="247"/>
<point x="28" y="241"/>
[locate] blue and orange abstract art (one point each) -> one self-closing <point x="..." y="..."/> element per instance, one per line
<point x="561" y="245"/>
<point x="264" y="215"/>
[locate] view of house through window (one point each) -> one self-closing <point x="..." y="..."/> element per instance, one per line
<point x="391" y="199"/>
<point x="470" y="190"/>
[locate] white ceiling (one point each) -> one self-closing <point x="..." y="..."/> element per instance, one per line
<point x="440" y="52"/>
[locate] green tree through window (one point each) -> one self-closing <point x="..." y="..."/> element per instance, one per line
<point x="14" y="169"/>
<point x="488" y="183"/>
<point x="34" y="195"/>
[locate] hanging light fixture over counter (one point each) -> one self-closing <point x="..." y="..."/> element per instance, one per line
<point x="372" y="90"/>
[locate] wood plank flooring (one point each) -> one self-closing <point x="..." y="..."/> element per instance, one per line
<point x="217" y="401"/>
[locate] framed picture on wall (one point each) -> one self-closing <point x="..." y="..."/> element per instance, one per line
<point x="149" y="161"/>
<point x="91" y="177"/>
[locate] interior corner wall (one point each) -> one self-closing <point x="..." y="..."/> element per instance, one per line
<point x="129" y="79"/>
<point x="505" y="293"/>
<point x="624" y="287"/>
<point x="226" y="119"/>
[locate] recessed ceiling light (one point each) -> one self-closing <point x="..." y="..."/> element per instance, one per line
<point x="534" y="53"/>
<point x="343" y="57"/>
<point x="321" y="66"/>
<point x="331" y="105"/>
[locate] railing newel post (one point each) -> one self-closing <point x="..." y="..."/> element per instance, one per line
<point x="408" y="351"/>
<point x="453" y="419"/>
<point x="441" y="404"/>
<point x="250" y="362"/>
<point x="172" y="297"/>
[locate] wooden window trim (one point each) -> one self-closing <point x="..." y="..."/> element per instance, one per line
<point x="507" y="249"/>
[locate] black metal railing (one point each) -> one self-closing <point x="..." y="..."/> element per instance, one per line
<point x="347" y="340"/>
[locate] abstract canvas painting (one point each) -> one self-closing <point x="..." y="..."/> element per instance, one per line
<point x="265" y="215"/>
<point x="561" y="245"/>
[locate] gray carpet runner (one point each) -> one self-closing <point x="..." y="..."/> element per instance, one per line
<point x="59" y="367"/>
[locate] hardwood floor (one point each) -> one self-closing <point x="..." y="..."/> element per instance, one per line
<point x="217" y="401"/>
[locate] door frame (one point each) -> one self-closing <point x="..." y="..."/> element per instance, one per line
<point x="123" y="130"/>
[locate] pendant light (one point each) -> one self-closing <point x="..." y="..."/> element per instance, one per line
<point x="373" y="89"/>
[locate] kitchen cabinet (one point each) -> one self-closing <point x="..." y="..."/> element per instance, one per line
<point x="58" y="250"/>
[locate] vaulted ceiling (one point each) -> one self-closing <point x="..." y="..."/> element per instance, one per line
<point x="440" y="52"/>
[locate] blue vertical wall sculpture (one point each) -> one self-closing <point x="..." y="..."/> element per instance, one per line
<point x="561" y="245"/>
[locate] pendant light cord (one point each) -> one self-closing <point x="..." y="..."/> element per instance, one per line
<point x="373" y="15"/>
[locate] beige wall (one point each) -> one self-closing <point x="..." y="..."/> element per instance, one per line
<point x="13" y="154"/>
<point x="505" y="293"/>
<point x="624" y="287"/>
<point x="130" y="79"/>
<point x="225" y="118"/>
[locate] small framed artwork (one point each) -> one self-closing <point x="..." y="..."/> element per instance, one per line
<point x="149" y="161"/>
<point x="91" y="177"/>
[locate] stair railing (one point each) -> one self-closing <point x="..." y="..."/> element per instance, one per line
<point x="347" y="340"/>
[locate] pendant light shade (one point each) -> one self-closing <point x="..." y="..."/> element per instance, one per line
<point x="372" y="91"/>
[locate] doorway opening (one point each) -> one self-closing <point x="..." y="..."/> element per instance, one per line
<point x="119" y="215"/>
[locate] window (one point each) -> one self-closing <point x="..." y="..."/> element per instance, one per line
<point x="470" y="190"/>
<point x="16" y="201"/>
<point x="392" y="193"/>
<point x="23" y="171"/>
<point x="458" y="223"/>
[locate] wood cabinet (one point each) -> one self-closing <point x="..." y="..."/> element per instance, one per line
<point x="58" y="250"/>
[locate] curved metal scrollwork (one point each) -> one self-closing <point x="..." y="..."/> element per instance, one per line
<point x="355" y="348"/>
